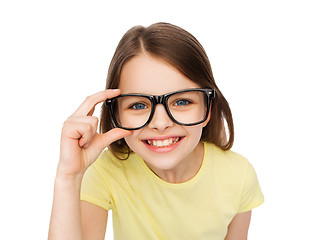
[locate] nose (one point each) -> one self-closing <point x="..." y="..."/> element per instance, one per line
<point x="160" y="120"/>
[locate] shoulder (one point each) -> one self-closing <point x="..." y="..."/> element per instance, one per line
<point x="228" y="159"/>
<point x="233" y="172"/>
<point x="107" y="160"/>
<point x="110" y="167"/>
<point x="228" y="167"/>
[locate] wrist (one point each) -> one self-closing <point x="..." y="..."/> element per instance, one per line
<point x="62" y="177"/>
<point x="64" y="172"/>
<point x="67" y="185"/>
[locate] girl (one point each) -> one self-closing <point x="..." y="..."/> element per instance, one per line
<point x="168" y="172"/>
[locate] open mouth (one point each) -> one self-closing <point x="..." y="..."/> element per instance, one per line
<point x="163" y="143"/>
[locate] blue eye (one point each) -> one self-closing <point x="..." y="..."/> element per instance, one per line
<point x="182" y="102"/>
<point x="138" y="106"/>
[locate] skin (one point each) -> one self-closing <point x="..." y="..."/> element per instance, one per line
<point x="81" y="145"/>
<point x="238" y="228"/>
<point x="149" y="75"/>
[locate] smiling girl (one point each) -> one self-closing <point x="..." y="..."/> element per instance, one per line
<point x="168" y="171"/>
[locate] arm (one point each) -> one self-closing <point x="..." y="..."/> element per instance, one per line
<point x="93" y="221"/>
<point x="72" y="218"/>
<point x="65" y="217"/>
<point x="238" y="228"/>
<point x="80" y="146"/>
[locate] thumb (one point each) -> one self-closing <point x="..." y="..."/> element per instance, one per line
<point x="101" y="141"/>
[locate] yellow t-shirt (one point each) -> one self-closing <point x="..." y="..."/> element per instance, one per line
<point x="146" y="207"/>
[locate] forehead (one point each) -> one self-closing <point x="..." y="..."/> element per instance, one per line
<point x="151" y="75"/>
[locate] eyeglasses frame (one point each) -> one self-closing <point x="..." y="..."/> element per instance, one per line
<point x="162" y="99"/>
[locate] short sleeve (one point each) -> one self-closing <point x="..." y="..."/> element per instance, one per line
<point x="94" y="189"/>
<point x="251" y="194"/>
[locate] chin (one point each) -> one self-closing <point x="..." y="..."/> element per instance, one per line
<point x="162" y="163"/>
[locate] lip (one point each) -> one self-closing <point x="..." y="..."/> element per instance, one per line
<point x="162" y="137"/>
<point x="162" y="149"/>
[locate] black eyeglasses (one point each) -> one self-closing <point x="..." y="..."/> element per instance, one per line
<point x="185" y="107"/>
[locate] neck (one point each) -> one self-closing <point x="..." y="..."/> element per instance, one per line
<point x="185" y="170"/>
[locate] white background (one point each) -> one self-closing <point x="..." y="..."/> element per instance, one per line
<point x="55" y="53"/>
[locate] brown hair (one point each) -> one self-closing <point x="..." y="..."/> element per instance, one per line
<point x="182" y="50"/>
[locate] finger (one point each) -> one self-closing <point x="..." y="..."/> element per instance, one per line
<point x="101" y="141"/>
<point x="92" y="120"/>
<point x="87" y="107"/>
<point x="91" y="112"/>
<point x="78" y="131"/>
<point x="86" y="137"/>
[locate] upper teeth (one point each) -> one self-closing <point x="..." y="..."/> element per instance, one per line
<point x="163" y="143"/>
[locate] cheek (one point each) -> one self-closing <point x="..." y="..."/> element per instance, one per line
<point x="131" y="140"/>
<point x="208" y="119"/>
<point x="195" y="132"/>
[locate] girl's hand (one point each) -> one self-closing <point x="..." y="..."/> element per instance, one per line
<point x="80" y="142"/>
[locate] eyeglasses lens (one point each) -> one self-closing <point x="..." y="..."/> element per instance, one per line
<point x="185" y="107"/>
